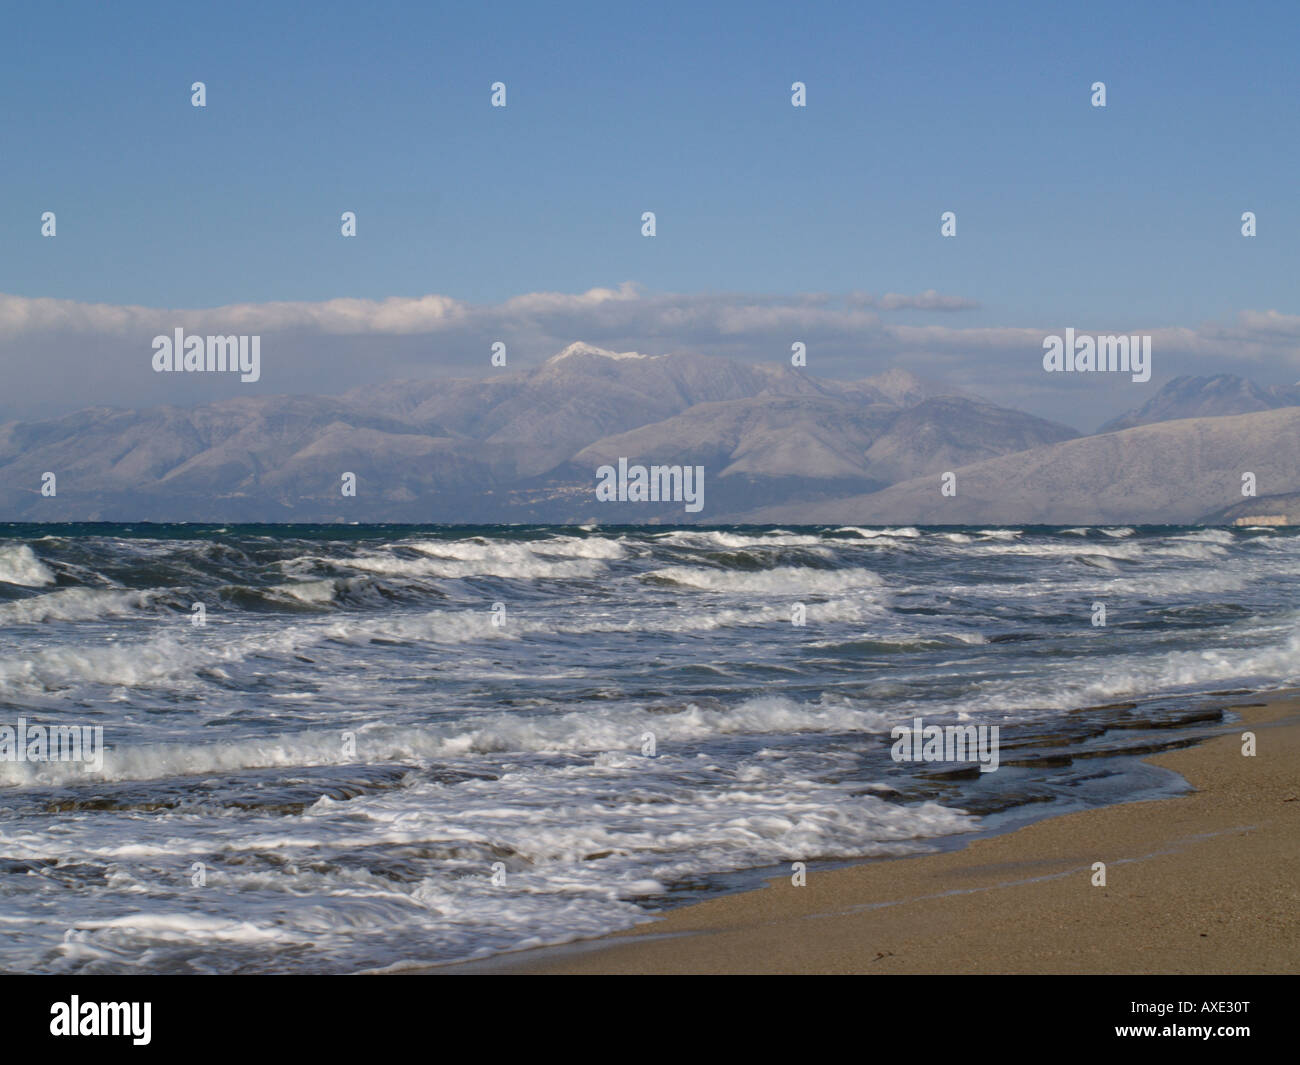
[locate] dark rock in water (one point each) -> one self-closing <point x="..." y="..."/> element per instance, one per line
<point x="1047" y="761"/>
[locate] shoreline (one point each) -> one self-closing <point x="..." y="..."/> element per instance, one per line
<point x="1203" y="882"/>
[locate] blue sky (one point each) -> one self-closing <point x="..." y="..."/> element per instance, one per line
<point x="1126" y="217"/>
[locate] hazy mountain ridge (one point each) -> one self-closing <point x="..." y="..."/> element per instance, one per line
<point x="1179" y="472"/>
<point x="521" y="446"/>
<point x="1206" y="397"/>
<point x="776" y="443"/>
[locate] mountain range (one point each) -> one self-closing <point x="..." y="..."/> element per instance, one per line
<point x="777" y="444"/>
<point x="1207" y="397"/>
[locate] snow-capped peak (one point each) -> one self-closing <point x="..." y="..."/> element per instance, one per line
<point x="579" y="348"/>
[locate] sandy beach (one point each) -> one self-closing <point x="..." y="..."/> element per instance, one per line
<point x="1203" y="883"/>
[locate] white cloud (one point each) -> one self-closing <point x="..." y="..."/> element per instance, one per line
<point x="627" y="306"/>
<point x="58" y="355"/>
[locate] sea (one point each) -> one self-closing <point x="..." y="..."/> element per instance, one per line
<point x="347" y="748"/>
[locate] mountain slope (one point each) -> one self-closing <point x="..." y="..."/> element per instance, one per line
<point x="948" y="431"/>
<point x="1206" y="397"/>
<point x="522" y="446"/>
<point x="828" y="437"/>
<point x="1166" y="473"/>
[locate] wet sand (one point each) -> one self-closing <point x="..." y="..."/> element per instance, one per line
<point x="1207" y="882"/>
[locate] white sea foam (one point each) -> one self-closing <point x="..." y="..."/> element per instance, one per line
<point x="77" y="604"/>
<point x="523" y="743"/>
<point x="591" y="730"/>
<point x="707" y="538"/>
<point x="1046" y="549"/>
<point x="19" y="565"/>
<point x="1255" y="658"/>
<point x="905" y="533"/>
<point x="1210" y="536"/>
<point x="783" y="580"/>
<point x="313" y="593"/>
<point x="565" y="877"/>
<point x="495" y="552"/>
<point x="165" y="659"/>
<point x="509" y="561"/>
